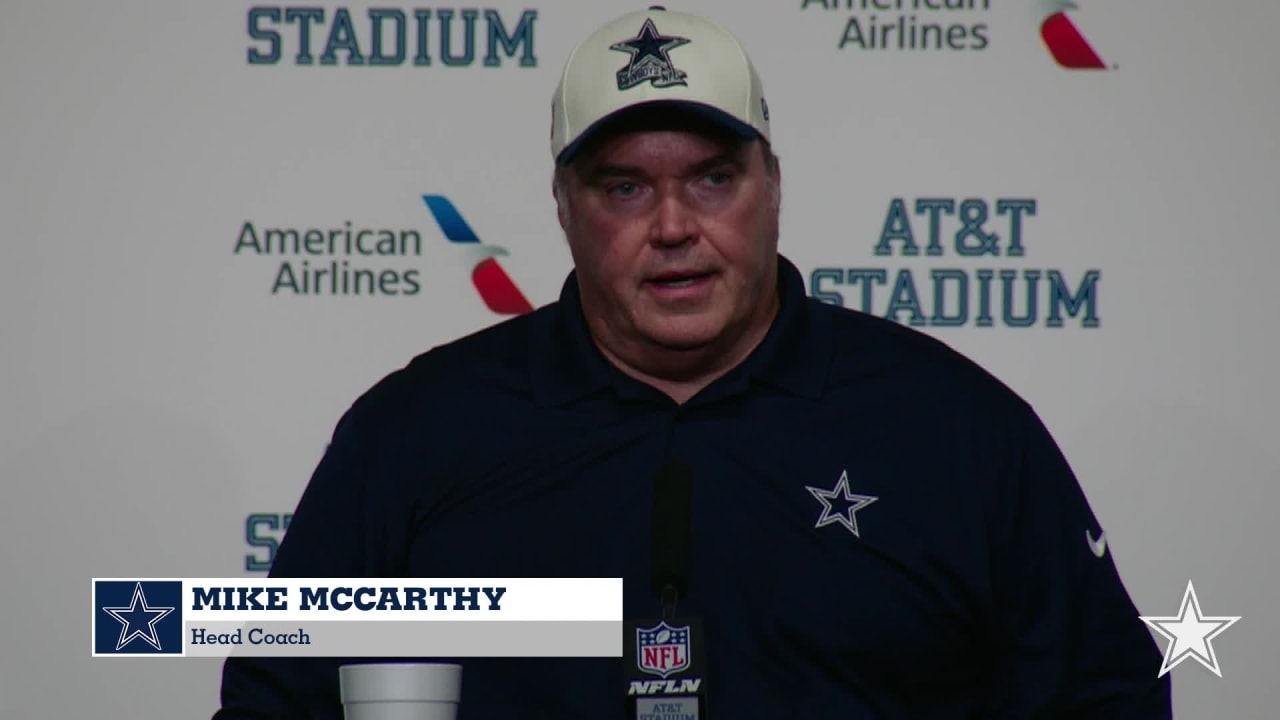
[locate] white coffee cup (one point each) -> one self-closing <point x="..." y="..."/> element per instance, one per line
<point x="400" y="691"/>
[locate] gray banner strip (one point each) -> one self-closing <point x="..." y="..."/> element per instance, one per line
<point x="404" y="639"/>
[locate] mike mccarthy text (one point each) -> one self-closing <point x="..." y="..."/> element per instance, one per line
<point x="348" y="598"/>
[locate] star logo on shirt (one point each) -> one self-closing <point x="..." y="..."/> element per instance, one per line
<point x="138" y="620"/>
<point x="1190" y="634"/>
<point x="839" y="504"/>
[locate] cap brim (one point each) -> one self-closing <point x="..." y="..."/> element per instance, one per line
<point x="658" y="114"/>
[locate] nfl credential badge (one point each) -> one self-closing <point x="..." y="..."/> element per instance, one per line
<point x="664" y="668"/>
<point x="650" y="59"/>
<point x="662" y="649"/>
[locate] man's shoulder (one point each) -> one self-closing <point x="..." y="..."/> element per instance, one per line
<point x="502" y="346"/>
<point x="492" y="358"/>
<point x="866" y="345"/>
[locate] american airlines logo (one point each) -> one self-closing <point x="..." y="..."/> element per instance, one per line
<point x="499" y="292"/>
<point x="687" y="686"/>
<point x="1065" y="42"/>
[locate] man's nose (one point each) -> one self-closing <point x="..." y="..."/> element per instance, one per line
<point x="674" y="222"/>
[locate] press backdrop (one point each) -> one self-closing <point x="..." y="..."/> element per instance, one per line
<point x="1102" y="202"/>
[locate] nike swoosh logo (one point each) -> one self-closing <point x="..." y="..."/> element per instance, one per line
<point x="1099" y="546"/>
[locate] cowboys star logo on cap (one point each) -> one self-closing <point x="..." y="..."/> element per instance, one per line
<point x="649" y="59"/>
<point x="724" y="89"/>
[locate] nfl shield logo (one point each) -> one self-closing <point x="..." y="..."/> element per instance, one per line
<point x="662" y="650"/>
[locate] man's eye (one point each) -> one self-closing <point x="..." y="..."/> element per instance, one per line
<point x="624" y="189"/>
<point x="718" y="178"/>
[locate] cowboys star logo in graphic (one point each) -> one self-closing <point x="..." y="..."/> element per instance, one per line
<point x="649" y="59"/>
<point x="138" y="620"/>
<point x="1190" y="634"/>
<point x="839" y="504"/>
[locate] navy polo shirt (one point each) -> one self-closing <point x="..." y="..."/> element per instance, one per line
<point x="880" y="529"/>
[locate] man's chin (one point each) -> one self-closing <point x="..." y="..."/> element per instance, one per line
<point x="686" y="336"/>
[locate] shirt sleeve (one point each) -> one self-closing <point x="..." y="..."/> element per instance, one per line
<point x="340" y="528"/>
<point x="1070" y="641"/>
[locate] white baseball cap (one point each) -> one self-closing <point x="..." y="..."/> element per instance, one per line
<point x="651" y="58"/>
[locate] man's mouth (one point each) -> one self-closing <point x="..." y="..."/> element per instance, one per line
<point x="679" y="279"/>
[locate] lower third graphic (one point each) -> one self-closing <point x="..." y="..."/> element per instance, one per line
<point x="137" y="617"/>
<point x="1190" y="634"/>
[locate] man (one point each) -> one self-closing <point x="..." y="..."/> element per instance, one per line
<point x="879" y="528"/>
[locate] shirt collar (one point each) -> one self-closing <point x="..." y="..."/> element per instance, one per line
<point x="565" y="364"/>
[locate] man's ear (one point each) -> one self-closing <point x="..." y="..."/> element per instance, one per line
<point x="775" y="171"/>
<point x="557" y="192"/>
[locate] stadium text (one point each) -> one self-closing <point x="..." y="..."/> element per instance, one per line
<point x="387" y="36"/>
<point x="261" y="531"/>
<point x="959" y="296"/>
